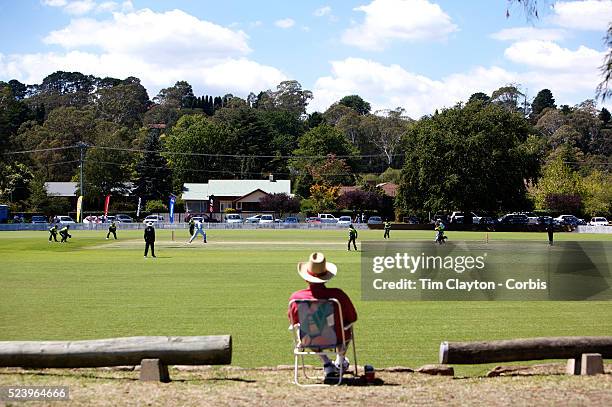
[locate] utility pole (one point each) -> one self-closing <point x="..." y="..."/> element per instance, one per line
<point x="82" y="147"/>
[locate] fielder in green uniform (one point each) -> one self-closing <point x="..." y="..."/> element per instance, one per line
<point x="191" y="227"/>
<point x="112" y="229"/>
<point x="53" y="233"/>
<point x="352" y="237"/>
<point x="64" y="234"/>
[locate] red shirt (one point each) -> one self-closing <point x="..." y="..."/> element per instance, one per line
<point x="349" y="314"/>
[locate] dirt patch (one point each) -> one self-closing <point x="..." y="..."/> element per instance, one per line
<point x="231" y="386"/>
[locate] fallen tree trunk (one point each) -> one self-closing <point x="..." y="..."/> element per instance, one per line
<point x="564" y="347"/>
<point x="170" y="350"/>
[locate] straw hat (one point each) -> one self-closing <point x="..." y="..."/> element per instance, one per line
<point x="317" y="270"/>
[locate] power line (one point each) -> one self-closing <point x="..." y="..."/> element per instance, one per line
<point x="216" y="171"/>
<point x="39" y="150"/>
<point x="136" y="150"/>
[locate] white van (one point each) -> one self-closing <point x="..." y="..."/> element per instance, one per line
<point x="328" y="218"/>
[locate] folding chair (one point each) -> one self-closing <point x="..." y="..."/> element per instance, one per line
<point x="315" y="334"/>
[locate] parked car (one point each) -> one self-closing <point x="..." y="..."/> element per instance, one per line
<point x="65" y="220"/>
<point x="253" y="219"/>
<point x="327" y="218"/>
<point x="313" y="220"/>
<point x="121" y="218"/>
<point x="546" y="220"/>
<point x="344" y="220"/>
<point x="570" y="220"/>
<point x="154" y="219"/>
<point x="109" y="219"/>
<point x="459" y="217"/>
<point x="531" y="217"/>
<point x="596" y="221"/>
<point x="374" y="220"/>
<point x="291" y="219"/>
<point x="514" y="219"/>
<point x="411" y="220"/>
<point x="266" y="219"/>
<point x="233" y="218"/>
<point x="39" y="219"/>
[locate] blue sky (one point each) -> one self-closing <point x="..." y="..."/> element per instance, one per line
<point x="417" y="54"/>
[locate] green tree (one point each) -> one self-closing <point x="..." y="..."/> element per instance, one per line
<point x="153" y="177"/>
<point x="13" y="113"/>
<point x="479" y="96"/>
<point x="356" y="103"/>
<point x="597" y="192"/>
<point x="558" y="179"/>
<point x="324" y="198"/>
<point x="471" y="157"/>
<point x="177" y="96"/>
<point x="124" y="103"/>
<point x="313" y="148"/>
<point x="197" y="134"/>
<point x="250" y="134"/>
<point x="543" y="99"/>
<point x="509" y="97"/>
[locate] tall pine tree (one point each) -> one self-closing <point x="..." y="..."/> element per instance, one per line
<point x="153" y="177"/>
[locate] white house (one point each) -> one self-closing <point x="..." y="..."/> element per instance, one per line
<point x="242" y="195"/>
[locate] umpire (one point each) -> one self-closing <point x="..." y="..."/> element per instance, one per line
<point x="149" y="237"/>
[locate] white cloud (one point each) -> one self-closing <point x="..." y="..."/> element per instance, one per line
<point x="176" y="35"/>
<point x="285" y="23"/>
<point x="323" y="11"/>
<point x="181" y="47"/>
<point x="583" y="15"/>
<point x="529" y="33"/>
<point x="399" y="20"/>
<point x="391" y="86"/>
<point x="80" y="7"/>
<point x="55" y="3"/>
<point x="550" y="56"/>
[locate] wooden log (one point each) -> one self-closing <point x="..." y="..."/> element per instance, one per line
<point x="170" y="350"/>
<point x="564" y="347"/>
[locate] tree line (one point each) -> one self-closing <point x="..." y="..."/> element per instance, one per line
<point x="490" y="153"/>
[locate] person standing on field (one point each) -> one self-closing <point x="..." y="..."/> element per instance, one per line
<point x="352" y="237"/>
<point x="550" y="229"/>
<point x="199" y="230"/>
<point x="149" y="237"/>
<point x="387" y="229"/>
<point x="53" y="233"/>
<point x="112" y="229"/>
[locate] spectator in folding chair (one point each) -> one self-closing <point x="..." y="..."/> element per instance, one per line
<point x="316" y="272"/>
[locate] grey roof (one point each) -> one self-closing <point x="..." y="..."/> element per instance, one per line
<point x="234" y="188"/>
<point x="70" y="188"/>
<point x="61" y="188"/>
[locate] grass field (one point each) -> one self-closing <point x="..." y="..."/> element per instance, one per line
<point x="239" y="284"/>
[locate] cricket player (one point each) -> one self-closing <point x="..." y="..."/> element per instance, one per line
<point x="53" y="233"/>
<point x="387" y="229"/>
<point x="191" y="226"/>
<point x="112" y="229"/>
<point x="352" y="237"/>
<point x="64" y="234"/>
<point x="199" y="230"/>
